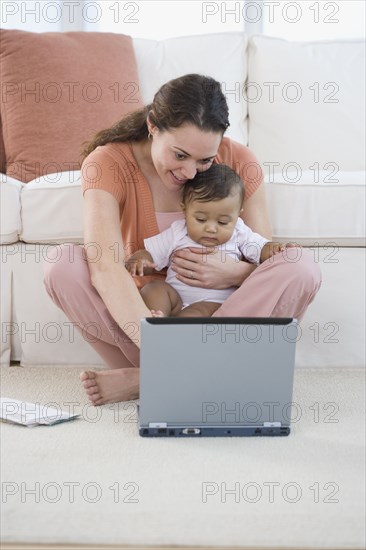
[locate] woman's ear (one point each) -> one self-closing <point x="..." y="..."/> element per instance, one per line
<point x="150" y="125"/>
<point x="182" y="205"/>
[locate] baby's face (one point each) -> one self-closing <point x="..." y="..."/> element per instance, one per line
<point x="212" y="223"/>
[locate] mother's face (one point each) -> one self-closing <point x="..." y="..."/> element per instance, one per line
<point x="178" y="154"/>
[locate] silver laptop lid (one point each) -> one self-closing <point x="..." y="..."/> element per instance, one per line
<point x="216" y="371"/>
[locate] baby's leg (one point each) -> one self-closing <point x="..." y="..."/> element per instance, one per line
<point x="159" y="295"/>
<point x="199" y="309"/>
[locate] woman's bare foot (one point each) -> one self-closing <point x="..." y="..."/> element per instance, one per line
<point x="111" y="386"/>
<point x="157" y="313"/>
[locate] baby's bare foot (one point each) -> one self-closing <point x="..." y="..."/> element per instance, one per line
<point x="111" y="386"/>
<point x="157" y="313"/>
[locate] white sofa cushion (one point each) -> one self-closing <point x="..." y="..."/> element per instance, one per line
<point x="6" y="300"/>
<point x="327" y="123"/>
<point x="39" y="330"/>
<point x="323" y="213"/>
<point x="221" y="56"/>
<point x="52" y="209"/>
<point x="306" y="212"/>
<point x="333" y="328"/>
<point x="10" y="218"/>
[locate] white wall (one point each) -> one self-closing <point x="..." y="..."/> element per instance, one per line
<point x="32" y="15"/>
<point x="310" y="20"/>
<point x="146" y="19"/>
<point x="157" y="19"/>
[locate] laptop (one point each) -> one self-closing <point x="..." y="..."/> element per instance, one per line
<point x="216" y="376"/>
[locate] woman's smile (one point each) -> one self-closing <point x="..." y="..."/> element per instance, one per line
<point x="178" y="180"/>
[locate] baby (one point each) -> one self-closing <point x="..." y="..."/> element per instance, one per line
<point x="212" y="202"/>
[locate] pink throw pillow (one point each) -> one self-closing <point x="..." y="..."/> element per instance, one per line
<point x="58" y="90"/>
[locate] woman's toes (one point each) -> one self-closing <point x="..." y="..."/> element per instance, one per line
<point x="91" y="391"/>
<point x="95" y="398"/>
<point x="87" y="375"/>
<point x="89" y="384"/>
<point x="98" y="401"/>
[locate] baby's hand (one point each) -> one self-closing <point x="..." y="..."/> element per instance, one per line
<point x="140" y="263"/>
<point x="276" y="248"/>
<point x="139" y="267"/>
<point x="271" y="248"/>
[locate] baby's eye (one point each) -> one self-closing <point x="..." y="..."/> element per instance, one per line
<point x="223" y="223"/>
<point x="200" y="220"/>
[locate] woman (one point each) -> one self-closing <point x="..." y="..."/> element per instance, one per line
<point x="132" y="179"/>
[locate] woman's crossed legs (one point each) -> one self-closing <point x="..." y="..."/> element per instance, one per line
<point x="278" y="287"/>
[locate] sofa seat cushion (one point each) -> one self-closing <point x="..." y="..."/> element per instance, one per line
<point x="58" y="90"/>
<point x="307" y="213"/>
<point x="10" y="213"/>
<point x="311" y="214"/>
<point x="219" y="55"/>
<point x="52" y="209"/>
<point x="306" y="103"/>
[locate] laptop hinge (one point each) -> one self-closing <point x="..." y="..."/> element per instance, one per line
<point x="272" y="424"/>
<point x="158" y="425"/>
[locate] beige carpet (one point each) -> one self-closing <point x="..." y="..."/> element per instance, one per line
<point x="95" y="481"/>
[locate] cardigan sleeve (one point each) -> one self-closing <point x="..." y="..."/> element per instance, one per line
<point x="101" y="171"/>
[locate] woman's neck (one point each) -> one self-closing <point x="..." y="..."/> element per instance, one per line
<point x="142" y="153"/>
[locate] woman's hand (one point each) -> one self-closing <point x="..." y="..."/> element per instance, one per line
<point x="209" y="268"/>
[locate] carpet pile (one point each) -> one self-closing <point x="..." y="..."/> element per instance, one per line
<point x="94" y="480"/>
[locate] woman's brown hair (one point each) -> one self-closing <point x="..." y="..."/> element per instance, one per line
<point x="190" y="99"/>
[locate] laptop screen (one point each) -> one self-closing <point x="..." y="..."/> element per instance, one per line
<point x="217" y="371"/>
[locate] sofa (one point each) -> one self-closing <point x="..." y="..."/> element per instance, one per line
<point x="299" y="106"/>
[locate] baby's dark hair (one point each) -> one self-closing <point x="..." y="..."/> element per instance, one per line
<point x="218" y="182"/>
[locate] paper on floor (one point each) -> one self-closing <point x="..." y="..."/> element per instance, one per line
<point x="32" y="414"/>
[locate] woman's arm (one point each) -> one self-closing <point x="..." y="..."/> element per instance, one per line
<point x="102" y="232"/>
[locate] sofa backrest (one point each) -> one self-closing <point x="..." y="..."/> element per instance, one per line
<point x="221" y="56"/>
<point x="291" y="102"/>
<point x="307" y="104"/>
<point x="318" y="199"/>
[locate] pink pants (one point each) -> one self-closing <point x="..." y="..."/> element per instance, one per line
<point x="283" y="286"/>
